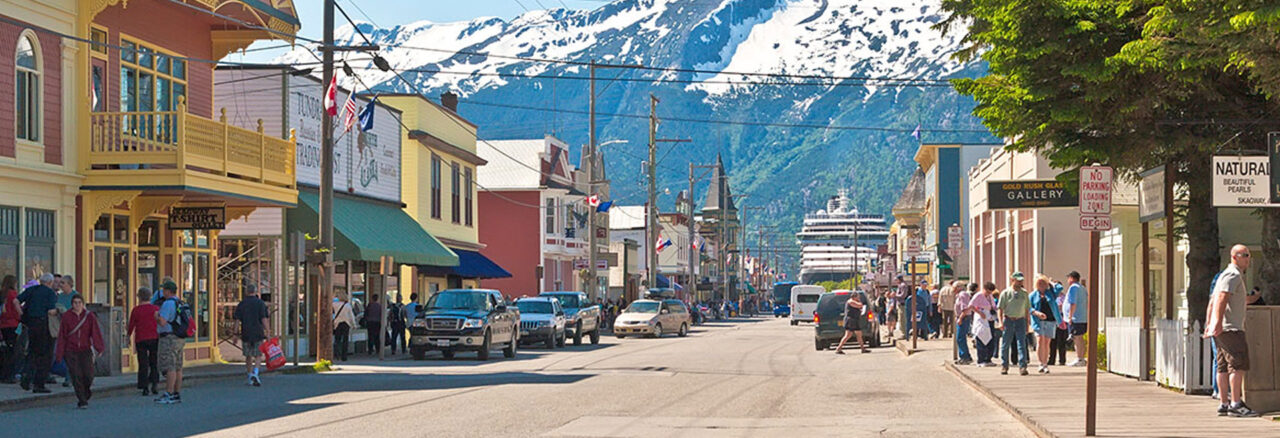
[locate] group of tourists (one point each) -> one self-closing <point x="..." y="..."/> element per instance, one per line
<point x="60" y="336"/>
<point x="1051" y="316"/>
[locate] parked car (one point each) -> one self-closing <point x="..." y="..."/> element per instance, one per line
<point x="582" y="318"/>
<point x="653" y="318"/>
<point x="466" y="320"/>
<point x="541" y="320"/>
<point x="828" y="327"/>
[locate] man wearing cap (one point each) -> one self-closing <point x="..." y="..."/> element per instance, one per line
<point x="1014" y="308"/>
<point x="170" y="345"/>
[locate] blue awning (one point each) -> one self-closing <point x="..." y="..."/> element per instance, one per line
<point x="663" y="281"/>
<point x="471" y="264"/>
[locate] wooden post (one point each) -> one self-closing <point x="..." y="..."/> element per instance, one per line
<point x="911" y="318"/>
<point x="1168" y="241"/>
<point x="1144" y="360"/>
<point x="1091" y="380"/>
<point x="262" y="154"/>
<point x="222" y="119"/>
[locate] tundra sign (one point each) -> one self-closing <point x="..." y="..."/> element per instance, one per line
<point x="1241" y="182"/>
<point x="1005" y="195"/>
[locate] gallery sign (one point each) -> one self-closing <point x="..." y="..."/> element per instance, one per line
<point x="1010" y="195"/>
<point x="1241" y="182"/>
<point x="197" y="218"/>
<point x="364" y="163"/>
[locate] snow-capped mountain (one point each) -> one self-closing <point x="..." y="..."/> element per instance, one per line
<point x="796" y="145"/>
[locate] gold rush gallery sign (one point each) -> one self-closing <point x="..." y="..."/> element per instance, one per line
<point x="1045" y="193"/>
<point x="197" y="218"/>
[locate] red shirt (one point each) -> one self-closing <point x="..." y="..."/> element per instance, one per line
<point x="142" y="322"/>
<point x="72" y="339"/>
<point x="9" y="318"/>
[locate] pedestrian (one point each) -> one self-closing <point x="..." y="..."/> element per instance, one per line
<point x="395" y="319"/>
<point x="1226" y="326"/>
<point x="169" y="347"/>
<point x="41" y="304"/>
<point x="935" y="311"/>
<point x="1061" y="336"/>
<point x="853" y="321"/>
<point x="373" y="325"/>
<point x="982" y="307"/>
<point x="1075" y="309"/>
<point x="1013" y="308"/>
<point x="10" y="317"/>
<point x="79" y="342"/>
<point x="900" y="299"/>
<point x="947" y="306"/>
<point x="255" y="327"/>
<point x="343" y="320"/>
<point x="1044" y="319"/>
<point x="962" y="314"/>
<point x="411" y="310"/>
<point x="142" y="326"/>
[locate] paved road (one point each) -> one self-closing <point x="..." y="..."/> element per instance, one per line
<point x="757" y="377"/>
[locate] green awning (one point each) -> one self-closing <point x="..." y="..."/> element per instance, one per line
<point x="368" y="230"/>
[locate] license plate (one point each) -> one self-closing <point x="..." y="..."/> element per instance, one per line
<point x="524" y="332"/>
<point x="840" y="323"/>
<point x="442" y="343"/>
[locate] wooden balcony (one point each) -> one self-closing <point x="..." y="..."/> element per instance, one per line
<point x="174" y="150"/>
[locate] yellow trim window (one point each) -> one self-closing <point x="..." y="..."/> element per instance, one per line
<point x="150" y="81"/>
<point x="28" y="91"/>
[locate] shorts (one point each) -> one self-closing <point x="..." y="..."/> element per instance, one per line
<point x="1079" y="328"/>
<point x="170" y="353"/>
<point x="1046" y="329"/>
<point x="251" y="349"/>
<point x="1233" y="351"/>
<point x="853" y="324"/>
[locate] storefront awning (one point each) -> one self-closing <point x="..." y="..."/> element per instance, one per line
<point x="471" y="264"/>
<point x="368" y="230"/>
<point x="663" y="281"/>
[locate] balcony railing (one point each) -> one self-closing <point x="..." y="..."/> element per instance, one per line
<point x="167" y="140"/>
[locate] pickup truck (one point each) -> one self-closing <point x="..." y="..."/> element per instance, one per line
<point x="581" y="316"/>
<point x="465" y="320"/>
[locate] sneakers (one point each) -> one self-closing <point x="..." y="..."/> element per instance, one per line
<point x="1223" y="410"/>
<point x="1044" y="369"/>
<point x="41" y="390"/>
<point x="1241" y="410"/>
<point x="164" y="396"/>
<point x="1004" y="369"/>
<point x="82" y="405"/>
<point x="168" y="399"/>
<point x="255" y="381"/>
<point x="1022" y="371"/>
<point x="963" y="362"/>
<point x="1078" y="363"/>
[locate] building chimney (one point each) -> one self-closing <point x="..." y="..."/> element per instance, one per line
<point x="449" y="100"/>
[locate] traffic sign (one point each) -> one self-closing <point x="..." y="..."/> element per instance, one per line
<point x="913" y="245"/>
<point x="955" y="237"/>
<point x="1095" y="223"/>
<point x="1095" y="190"/>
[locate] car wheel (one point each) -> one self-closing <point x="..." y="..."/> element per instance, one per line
<point x="483" y="353"/>
<point x="657" y="330"/>
<point x="418" y="353"/>
<point x="577" y="334"/>
<point x="684" y="330"/>
<point x="550" y="341"/>
<point x="794" y="322"/>
<point x="562" y="339"/>
<point x="510" y="351"/>
<point x="448" y="354"/>
<point x="817" y="345"/>
<point x="620" y="336"/>
<point x="595" y="336"/>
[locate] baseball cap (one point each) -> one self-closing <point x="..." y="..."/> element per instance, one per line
<point x="169" y="285"/>
<point x="1017" y="275"/>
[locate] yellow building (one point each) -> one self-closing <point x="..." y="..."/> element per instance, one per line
<point x="438" y="155"/>
<point x="162" y="169"/>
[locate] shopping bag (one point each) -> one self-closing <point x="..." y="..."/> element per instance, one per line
<point x="274" y="354"/>
<point x="981" y="331"/>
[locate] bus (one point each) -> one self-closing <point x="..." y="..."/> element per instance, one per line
<point x="782" y="298"/>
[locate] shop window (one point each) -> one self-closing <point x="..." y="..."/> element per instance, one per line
<point x="102" y="229"/>
<point x="120" y="228"/>
<point x="28" y="92"/>
<point x="101" y="274"/>
<point x="469" y="187"/>
<point x="39" y="245"/>
<point x="149" y="233"/>
<point x="111" y="264"/>
<point x="120" y="278"/>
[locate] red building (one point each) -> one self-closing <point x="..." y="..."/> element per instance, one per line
<point x="535" y="220"/>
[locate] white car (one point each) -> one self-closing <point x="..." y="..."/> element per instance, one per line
<point x="804" y="301"/>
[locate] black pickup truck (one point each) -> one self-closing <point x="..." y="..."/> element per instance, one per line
<point x="582" y="318"/>
<point x="465" y="320"/>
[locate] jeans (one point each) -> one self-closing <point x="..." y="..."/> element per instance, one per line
<point x="985" y="351"/>
<point x="962" y="338"/>
<point x="341" y="337"/>
<point x="39" y="352"/>
<point x="1015" y="331"/>
<point x="375" y="342"/>
<point x="148" y="368"/>
<point x="80" y="370"/>
<point x="397" y="338"/>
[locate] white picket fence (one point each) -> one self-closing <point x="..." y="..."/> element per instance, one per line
<point x="1124" y="346"/>
<point x="1183" y="358"/>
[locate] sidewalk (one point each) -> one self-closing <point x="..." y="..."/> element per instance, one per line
<point x="1053" y="405"/>
<point x="13" y="398"/>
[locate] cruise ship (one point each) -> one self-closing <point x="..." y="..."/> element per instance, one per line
<point x="838" y="241"/>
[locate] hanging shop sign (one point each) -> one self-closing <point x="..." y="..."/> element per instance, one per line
<point x="1241" y="182"/>
<point x="1046" y="193"/>
<point x="197" y="218"/>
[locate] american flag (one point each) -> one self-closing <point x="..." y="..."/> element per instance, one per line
<point x="349" y="113"/>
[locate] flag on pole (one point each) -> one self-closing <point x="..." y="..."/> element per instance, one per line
<point x="604" y="207"/>
<point x="349" y="113"/>
<point x="331" y="97"/>
<point x="593" y="200"/>
<point x="662" y="243"/>
<point x="698" y="243"/>
<point x="366" y="116"/>
<point x="916" y="134"/>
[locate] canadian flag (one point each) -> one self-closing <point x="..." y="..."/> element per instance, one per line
<point x="662" y="243"/>
<point x="331" y="97"/>
<point x="593" y="200"/>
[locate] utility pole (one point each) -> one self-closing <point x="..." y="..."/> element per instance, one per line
<point x="324" y="324"/>
<point x="650" y="220"/>
<point x="593" y="282"/>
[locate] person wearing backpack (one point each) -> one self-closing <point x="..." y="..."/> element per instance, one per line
<point x="173" y="322"/>
<point x="395" y="319"/>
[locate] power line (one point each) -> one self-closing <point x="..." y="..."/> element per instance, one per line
<point x="659" y="80"/>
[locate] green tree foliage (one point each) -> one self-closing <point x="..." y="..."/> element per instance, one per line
<point x="1081" y="81"/>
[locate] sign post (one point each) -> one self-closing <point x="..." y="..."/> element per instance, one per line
<point x="1273" y="150"/>
<point x="913" y="249"/>
<point x="1151" y="201"/>
<point x="1095" y="217"/>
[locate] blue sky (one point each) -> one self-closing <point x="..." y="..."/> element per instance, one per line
<point x="387" y="13"/>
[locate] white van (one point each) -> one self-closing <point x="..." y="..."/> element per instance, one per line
<point x="804" y="301"/>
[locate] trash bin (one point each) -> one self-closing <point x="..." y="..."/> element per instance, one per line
<point x="111" y="322"/>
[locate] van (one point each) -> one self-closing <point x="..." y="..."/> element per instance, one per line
<point x="804" y="301"/>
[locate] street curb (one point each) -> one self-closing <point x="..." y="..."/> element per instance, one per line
<point x="1035" y="427"/>
<point x="902" y="347"/>
<point x="99" y="392"/>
